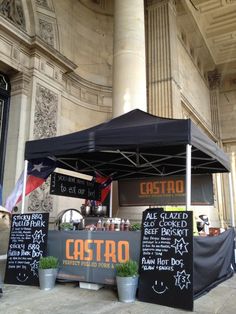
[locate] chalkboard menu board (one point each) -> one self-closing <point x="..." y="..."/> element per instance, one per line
<point x="65" y="185"/>
<point x="166" y="259"/>
<point x="27" y="243"/>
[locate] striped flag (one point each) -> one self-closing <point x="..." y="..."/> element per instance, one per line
<point x="37" y="172"/>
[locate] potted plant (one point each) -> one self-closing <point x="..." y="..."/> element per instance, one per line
<point x="127" y="280"/>
<point x="47" y="270"/>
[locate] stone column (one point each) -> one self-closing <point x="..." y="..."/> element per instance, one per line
<point x="18" y="128"/>
<point x="214" y="83"/>
<point x="162" y="57"/>
<point x="129" y="64"/>
<point x="220" y="180"/>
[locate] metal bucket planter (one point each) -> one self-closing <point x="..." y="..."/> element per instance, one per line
<point x="127" y="287"/>
<point x="47" y="278"/>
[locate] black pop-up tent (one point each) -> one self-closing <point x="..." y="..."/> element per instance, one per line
<point x="136" y="145"/>
<point x="133" y="145"/>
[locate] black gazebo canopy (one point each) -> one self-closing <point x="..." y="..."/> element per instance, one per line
<point x="133" y="145"/>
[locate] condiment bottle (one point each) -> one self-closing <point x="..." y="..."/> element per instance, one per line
<point x="117" y="225"/>
<point x="107" y="225"/>
<point x="122" y="225"/>
<point x="99" y="225"/>
<point x="127" y="225"/>
<point x="112" y="225"/>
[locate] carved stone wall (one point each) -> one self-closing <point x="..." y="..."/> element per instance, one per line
<point x="46" y="32"/>
<point x="45" y="125"/>
<point x="13" y="11"/>
<point x="43" y="3"/>
<point x="45" y="116"/>
<point x="47" y="23"/>
<point x="100" y="6"/>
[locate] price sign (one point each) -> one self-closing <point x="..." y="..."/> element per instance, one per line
<point x="166" y="259"/>
<point x="27" y="243"/>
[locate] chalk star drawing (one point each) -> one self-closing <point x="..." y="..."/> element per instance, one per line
<point x="182" y="279"/>
<point x="180" y="246"/>
<point x="38" y="237"/>
<point x="159" y="288"/>
<point x="34" y="267"/>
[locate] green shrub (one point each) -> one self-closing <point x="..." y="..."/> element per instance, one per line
<point x="135" y="227"/>
<point x="48" y="262"/>
<point x="127" y="269"/>
<point x="66" y="226"/>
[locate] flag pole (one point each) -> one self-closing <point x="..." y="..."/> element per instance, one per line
<point x="24" y="187"/>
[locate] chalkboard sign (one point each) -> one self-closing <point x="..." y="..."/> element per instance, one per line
<point x="65" y="185"/>
<point x="27" y="243"/>
<point x="166" y="259"/>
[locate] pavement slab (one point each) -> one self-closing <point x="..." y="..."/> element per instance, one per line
<point x="70" y="298"/>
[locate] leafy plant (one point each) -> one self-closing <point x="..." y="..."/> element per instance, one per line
<point x="127" y="269"/>
<point x="48" y="262"/>
<point x="66" y="226"/>
<point x="135" y="227"/>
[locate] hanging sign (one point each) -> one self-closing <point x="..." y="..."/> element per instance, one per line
<point x="27" y="243"/>
<point x="166" y="259"/>
<point x="65" y="185"/>
<point x="165" y="191"/>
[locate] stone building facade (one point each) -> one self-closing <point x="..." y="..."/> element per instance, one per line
<point x="69" y="65"/>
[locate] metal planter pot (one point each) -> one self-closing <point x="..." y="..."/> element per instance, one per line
<point x="47" y="278"/>
<point x="127" y="288"/>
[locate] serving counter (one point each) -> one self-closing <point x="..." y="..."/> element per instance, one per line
<point x="90" y="256"/>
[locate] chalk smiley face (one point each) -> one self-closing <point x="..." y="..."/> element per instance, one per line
<point x="22" y="277"/>
<point x="159" y="288"/>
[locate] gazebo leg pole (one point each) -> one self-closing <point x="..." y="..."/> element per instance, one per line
<point x="110" y="207"/>
<point x="188" y="176"/>
<point x="24" y="187"/>
<point x="231" y="200"/>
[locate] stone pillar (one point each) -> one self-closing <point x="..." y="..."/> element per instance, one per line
<point x="18" y="128"/>
<point x="220" y="180"/>
<point x="162" y="57"/>
<point x="214" y="83"/>
<point x="129" y="64"/>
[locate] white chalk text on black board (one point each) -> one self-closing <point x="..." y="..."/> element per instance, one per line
<point x="28" y="242"/>
<point x="166" y="259"/>
<point x="65" y="185"/>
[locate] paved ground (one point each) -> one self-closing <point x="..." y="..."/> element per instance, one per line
<point x="69" y="298"/>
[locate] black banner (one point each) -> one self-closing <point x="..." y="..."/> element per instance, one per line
<point x="27" y="243"/>
<point x="166" y="259"/>
<point x="65" y="185"/>
<point x="165" y="191"/>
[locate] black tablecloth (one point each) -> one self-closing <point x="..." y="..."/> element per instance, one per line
<point x="213" y="261"/>
<point x="213" y="257"/>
